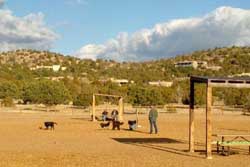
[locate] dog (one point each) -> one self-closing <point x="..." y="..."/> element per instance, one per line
<point x="104" y="125"/>
<point x="116" y="124"/>
<point x="132" y="124"/>
<point x="109" y="119"/>
<point x="50" y="125"/>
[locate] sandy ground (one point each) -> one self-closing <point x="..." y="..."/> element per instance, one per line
<point x="78" y="142"/>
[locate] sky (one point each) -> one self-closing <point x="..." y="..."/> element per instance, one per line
<point x="123" y="30"/>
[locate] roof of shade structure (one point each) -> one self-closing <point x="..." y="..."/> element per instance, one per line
<point x="239" y="82"/>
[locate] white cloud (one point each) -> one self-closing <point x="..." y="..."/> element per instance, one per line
<point x="226" y="26"/>
<point x="24" y="32"/>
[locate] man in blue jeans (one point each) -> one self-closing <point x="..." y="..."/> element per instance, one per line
<point x="152" y="116"/>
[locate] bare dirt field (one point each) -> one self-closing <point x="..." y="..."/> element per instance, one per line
<point x="78" y="142"/>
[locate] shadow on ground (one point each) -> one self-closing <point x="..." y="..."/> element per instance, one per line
<point x="166" y="145"/>
<point x="146" y="140"/>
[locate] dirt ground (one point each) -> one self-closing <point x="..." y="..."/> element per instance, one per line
<point x="77" y="142"/>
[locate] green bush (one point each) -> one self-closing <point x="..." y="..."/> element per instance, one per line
<point x="46" y="92"/>
<point x="8" y="102"/>
<point x="82" y="100"/>
<point x="8" y="89"/>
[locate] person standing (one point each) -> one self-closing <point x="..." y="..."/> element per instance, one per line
<point x="152" y="116"/>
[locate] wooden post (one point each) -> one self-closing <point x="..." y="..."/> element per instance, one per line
<point x="137" y="120"/>
<point x="191" y="118"/>
<point x="121" y="109"/>
<point x="222" y="110"/>
<point x="209" y="123"/>
<point x="93" y="109"/>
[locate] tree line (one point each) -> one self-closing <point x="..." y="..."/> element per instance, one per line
<point x="43" y="91"/>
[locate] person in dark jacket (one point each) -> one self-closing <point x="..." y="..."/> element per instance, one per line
<point x="152" y="116"/>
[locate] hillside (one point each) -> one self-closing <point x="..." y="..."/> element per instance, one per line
<point x="160" y="81"/>
<point x="234" y="60"/>
<point x="32" y="58"/>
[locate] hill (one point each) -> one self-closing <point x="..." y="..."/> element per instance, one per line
<point x="160" y="81"/>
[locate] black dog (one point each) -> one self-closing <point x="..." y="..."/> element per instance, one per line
<point x="132" y="124"/>
<point x="104" y="125"/>
<point x="109" y="119"/>
<point x="116" y="124"/>
<point x="50" y="125"/>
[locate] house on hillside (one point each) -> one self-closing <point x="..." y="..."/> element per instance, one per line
<point x="241" y="75"/>
<point x="161" y="83"/>
<point x="202" y="64"/>
<point x="119" y="81"/>
<point x="193" y="64"/>
<point x="55" y="68"/>
<point x="214" y="68"/>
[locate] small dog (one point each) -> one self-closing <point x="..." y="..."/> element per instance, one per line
<point x="132" y="124"/>
<point x="117" y="124"/>
<point x="50" y="125"/>
<point x="104" y="125"/>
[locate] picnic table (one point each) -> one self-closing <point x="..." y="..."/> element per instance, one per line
<point x="232" y="140"/>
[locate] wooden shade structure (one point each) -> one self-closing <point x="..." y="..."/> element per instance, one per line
<point x="120" y="103"/>
<point x="210" y="83"/>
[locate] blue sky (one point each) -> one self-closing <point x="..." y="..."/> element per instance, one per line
<point x="82" y="22"/>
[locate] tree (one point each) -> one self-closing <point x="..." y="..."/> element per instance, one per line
<point x="46" y="92"/>
<point x="8" y="102"/>
<point x="139" y="95"/>
<point x="83" y="100"/>
<point x="8" y="89"/>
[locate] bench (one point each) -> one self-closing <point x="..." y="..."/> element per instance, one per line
<point x="236" y="140"/>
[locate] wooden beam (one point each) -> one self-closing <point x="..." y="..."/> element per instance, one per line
<point x="209" y="123"/>
<point x="191" y="117"/>
<point x="93" y="109"/>
<point x="230" y="85"/>
<point x="121" y="109"/>
<point x="99" y="94"/>
<point x="198" y="79"/>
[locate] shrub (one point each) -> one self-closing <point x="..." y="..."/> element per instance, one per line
<point x="8" y="102"/>
<point x="46" y="92"/>
<point x="82" y="100"/>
